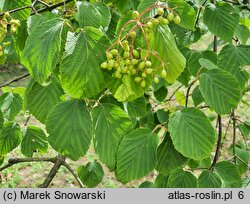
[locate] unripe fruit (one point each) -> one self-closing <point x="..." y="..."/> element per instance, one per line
<point x="149" y="71"/>
<point x="155" y="21"/>
<point x="126" y="48"/>
<point x="135" y="14"/>
<point x="17" y="23"/>
<point x="1" y="53"/>
<point x="104" y="65"/>
<point x="163" y="73"/>
<point x="6" y="14"/>
<point x="136" y="53"/>
<point x="13" y="29"/>
<point x="144" y="75"/>
<point x="150" y="24"/>
<point x="142" y="65"/>
<point x="111" y="64"/>
<point x="160" y="11"/>
<point x="126" y="54"/>
<point x="148" y="64"/>
<point x="170" y="16"/>
<point x="118" y="75"/>
<point x="130" y="67"/>
<point x="114" y="52"/>
<point x="134" y="61"/>
<point x="156" y="80"/>
<point x="127" y="61"/>
<point x="6" y="44"/>
<point x="143" y="84"/>
<point x="125" y="70"/>
<point x="133" y="72"/>
<point x="177" y="20"/>
<point x="132" y="34"/>
<point x="164" y="21"/>
<point x="109" y="55"/>
<point x="137" y="79"/>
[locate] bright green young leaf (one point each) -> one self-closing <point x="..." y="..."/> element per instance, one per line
<point x="137" y="108"/>
<point x="220" y="90"/>
<point x="168" y="157"/>
<point x="70" y="128"/>
<point x="136" y="156"/>
<point x="164" y="43"/>
<point x="192" y="133"/>
<point x="182" y="179"/>
<point x="11" y="104"/>
<point x="88" y="15"/>
<point x="91" y="174"/>
<point x="186" y="13"/>
<point x="208" y="179"/>
<point x="221" y="19"/>
<point x="34" y="139"/>
<point x="81" y="74"/>
<point x="193" y="63"/>
<point x="41" y="99"/>
<point x="227" y="171"/>
<point x="10" y="137"/>
<point x="42" y="49"/>
<point x="161" y="181"/>
<point x="111" y="123"/>
<point x="7" y="5"/>
<point x="146" y="184"/>
<point x="232" y="57"/>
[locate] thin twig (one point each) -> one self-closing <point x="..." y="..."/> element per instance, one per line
<point x="199" y="13"/>
<point x="170" y="98"/>
<point x="234" y="137"/>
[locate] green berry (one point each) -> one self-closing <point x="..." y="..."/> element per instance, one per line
<point x="130" y="67"/>
<point x="177" y="20"/>
<point x="135" y="14"/>
<point x="137" y="79"/>
<point x="148" y="64"/>
<point x="127" y="61"/>
<point x="156" y="80"/>
<point x="149" y="24"/>
<point x="13" y="29"/>
<point x="118" y="75"/>
<point x="132" y="34"/>
<point x="134" y="61"/>
<point x="170" y="16"/>
<point x="155" y="21"/>
<point x="111" y="64"/>
<point x="114" y="52"/>
<point x="149" y="71"/>
<point x="165" y="21"/>
<point x="125" y="70"/>
<point x="160" y="11"/>
<point x="163" y="73"/>
<point x="142" y="65"/>
<point x="1" y="53"/>
<point x="133" y="72"/>
<point x="143" y="84"/>
<point x="126" y="55"/>
<point x="126" y="48"/>
<point x="109" y="55"/>
<point x="6" y="44"/>
<point x="136" y="53"/>
<point x="144" y="75"/>
<point x="104" y="65"/>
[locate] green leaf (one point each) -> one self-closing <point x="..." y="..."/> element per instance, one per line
<point x="168" y="157"/>
<point x="227" y="171"/>
<point x="161" y="94"/>
<point x="146" y="184"/>
<point x="34" y="139"/>
<point x="104" y="14"/>
<point x="192" y="133"/>
<point x="221" y="19"/>
<point x="1" y="120"/>
<point x="122" y="6"/>
<point x="146" y="4"/>
<point x="193" y="63"/>
<point x="136" y="155"/>
<point x="70" y="128"/>
<point x="243" y="33"/>
<point x="162" y="116"/>
<point x="186" y="13"/>
<point x="7" y="5"/>
<point x="244" y="129"/>
<point x="242" y="159"/>
<point x="10" y="137"/>
<point x="111" y="32"/>
<point x="42" y="49"/>
<point x="208" y="179"/>
<point x="164" y="43"/>
<point x="182" y="179"/>
<point x="196" y="96"/>
<point x="41" y="99"/>
<point x="220" y="90"/>
<point x="207" y="64"/>
<point x="137" y="108"/>
<point x="88" y="15"/>
<point x="161" y="181"/>
<point x="232" y="57"/>
<point x="11" y="104"/>
<point x="91" y="174"/>
<point x="81" y="74"/>
<point x="111" y="123"/>
<point x="2" y="157"/>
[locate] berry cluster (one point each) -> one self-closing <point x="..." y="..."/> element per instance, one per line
<point x="123" y="58"/>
